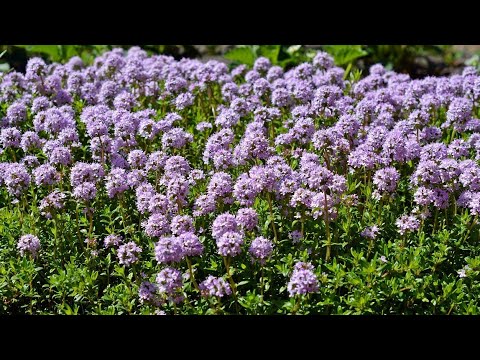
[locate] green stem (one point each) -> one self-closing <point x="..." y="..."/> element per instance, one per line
<point x="226" y="261"/>
<point x="297" y="305"/>
<point x="470" y="228"/>
<point x="261" y="283"/>
<point x="302" y="222"/>
<point x="272" y="219"/>
<point x="327" y="228"/>
<point x="122" y="211"/>
<point x="79" y="238"/>
<point x="435" y="221"/>
<point x="90" y="227"/>
<point x="192" y="277"/>
<point x="55" y="244"/>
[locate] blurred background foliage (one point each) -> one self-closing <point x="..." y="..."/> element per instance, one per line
<point x="416" y="60"/>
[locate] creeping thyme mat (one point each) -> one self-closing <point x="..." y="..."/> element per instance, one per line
<point x="145" y="185"/>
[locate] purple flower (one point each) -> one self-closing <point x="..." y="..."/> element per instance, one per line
<point x="175" y="166"/>
<point x="156" y="161"/>
<point x="148" y="292"/>
<point x="202" y="126"/>
<point x="296" y="236"/>
<point x="168" y="249"/>
<point x="16" y="178"/>
<point x="303" y="280"/>
<point x="16" y="113"/>
<point x="229" y="244"/>
<point x="220" y="185"/>
<point x="148" y="129"/>
<point x="227" y="118"/>
<point x="407" y="223"/>
<point x="247" y="218"/>
<point x="323" y="60"/>
<point x="116" y="182"/>
<point x="124" y="100"/>
<point x="181" y="224"/>
<point x="223" y="223"/>
<point x="169" y="282"/>
<point x="191" y="244"/>
<point x="370" y="232"/>
<point x="46" y="175"/>
<point x="86" y="191"/>
<point x="82" y="172"/>
<point x="262" y="64"/>
<point x="137" y="159"/>
<point x="156" y="225"/>
<point x="10" y="137"/>
<point x="112" y="240"/>
<point x="184" y="100"/>
<point x="386" y="179"/>
<point x="29" y="244"/>
<point x="260" y="249"/>
<point x="176" y="138"/>
<point x="30" y="141"/>
<point x="128" y="253"/>
<point x="52" y="202"/>
<point x="213" y="286"/>
<point x="60" y="155"/>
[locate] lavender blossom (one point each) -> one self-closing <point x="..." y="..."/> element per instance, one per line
<point x="213" y="286"/>
<point x="260" y="249"/>
<point x="303" y="280"/>
<point x="29" y="244"/>
<point x="128" y="253"/>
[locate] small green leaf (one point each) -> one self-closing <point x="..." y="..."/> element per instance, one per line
<point x="345" y="54"/>
<point x="270" y="52"/>
<point x="243" y="55"/>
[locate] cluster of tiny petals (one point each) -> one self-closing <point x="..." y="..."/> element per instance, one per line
<point x="261" y="249"/>
<point x="128" y="253"/>
<point x="169" y="284"/>
<point x="407" y="223"/>
<point x="303" y="280"/>
<point x="213" y="286"/>
<point x="29" y="244"/>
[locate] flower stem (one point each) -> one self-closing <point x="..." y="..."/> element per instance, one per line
<point x="327" y="228"/>
<point x="297" y="305"/>
<point x="261" y="283"/>
<point x="192" y="277"/>
<point x="272" y="219"/>
<point x="226" y="261"/>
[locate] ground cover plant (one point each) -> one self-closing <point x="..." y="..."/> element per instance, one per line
<point x="145" y="185"/>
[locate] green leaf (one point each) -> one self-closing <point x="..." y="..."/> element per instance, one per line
<point x="244" y="55"/>
<point x="345" y="54"/>
<point x="53" y="51"/>
<point x="270" y="52"/>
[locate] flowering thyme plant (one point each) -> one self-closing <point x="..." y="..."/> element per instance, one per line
<point x="145" y="185"/>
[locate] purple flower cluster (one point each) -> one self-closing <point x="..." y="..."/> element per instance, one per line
<point x="128" y="253"/>
<point x="407" y="223"/>
<point x="112" y="240"/>
<point x="230" y="243"/>
<point x="29" y="244"/>
<point x="51" y="203"/>
<point x="169" y="283"/>
<point x="214" y="286"/>
<point x="370" y="232"/>
<point x="303" y="280"/>
<point x="261" y="249"/>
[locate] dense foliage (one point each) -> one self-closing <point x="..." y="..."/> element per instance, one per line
<point x="141" y="184"/>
